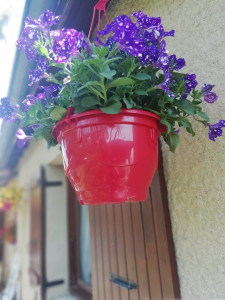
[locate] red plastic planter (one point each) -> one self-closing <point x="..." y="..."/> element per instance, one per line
<point x="109" y="158"/>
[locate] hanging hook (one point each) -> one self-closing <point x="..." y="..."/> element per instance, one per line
<point x="100" y="6"/>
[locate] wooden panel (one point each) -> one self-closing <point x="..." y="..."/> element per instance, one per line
<point x="134" y="241"/>
<point x="112" y="250"/>
<point x="99" y="254"/>
<point x="105" y="253"/>
<point x="151" y="250"/>
<point x="141" y="264"/>
<point x="129" y="248"/>
<point x="93" y="242"/>
<point x="122" y="270"/>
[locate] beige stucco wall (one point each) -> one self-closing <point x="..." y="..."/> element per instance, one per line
<point x="56" y="231"/>
<point x="195" y="174"/>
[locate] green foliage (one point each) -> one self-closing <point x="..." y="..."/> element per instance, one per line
<point x="108" y="80"/>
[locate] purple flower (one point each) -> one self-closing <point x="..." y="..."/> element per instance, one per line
<point x="209" y="97"/>
<point x="216" y="130"/>
<point x="30" y="33"/>
<point x="146" y="22"/>
<point x="26" y="43"/>
<point x="66" y="43"/>
<point x="49" y="90"/>
<point x="22" y="138"/>
<point x="175" y="63"/>
<point x="126" y="33"/>
<point x="6" y="110"/>
<point x="44" y="22"/>
<point x="29" y="101"/>
<point x="40" y="71"/>
<point x="165" y="85"/>
<point x="190" y="82"/>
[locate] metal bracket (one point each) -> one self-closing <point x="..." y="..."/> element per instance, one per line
<point x="127" y="284"/>
<point x="49" y="284"/>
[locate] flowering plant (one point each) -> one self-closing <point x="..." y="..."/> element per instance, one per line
<point x="10" y="196"/>
<point x="128" y="66"/>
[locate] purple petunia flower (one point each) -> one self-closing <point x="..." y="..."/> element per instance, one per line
<point x="209" y="97"/>
<point x="29" y="101"/>
<point x="30" y="33"/>
<point x="44" y="22"/>
<point x="49" y="90"/>
<point x="175" y="63"/>
<point x="165" y="85"/>
<point x="22" y="138"/>
<point x="146" y="22"/>
<point x="40" y="71"/>
<point x="215" y="130"/>
<point x="26" y="43"/>
<point x="6" y="110"/>
<point x="66" y="43"/>
<point x="190" y="82"/>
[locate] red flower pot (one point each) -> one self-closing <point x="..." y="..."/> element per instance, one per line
<point x="109" y="158"/>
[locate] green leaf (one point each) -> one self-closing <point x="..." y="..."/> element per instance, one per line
<point x="111" y="60"/>
<point x="31" y="111"/>
<point x="43" y="51"/>
<point x="185" y="123"/>
<point x="89" y="101"/>
<point x="93" y="61"/>
<point x="141" y="92"/>
<point x="113" y="108"/>
<point x="179" y="75"/>
<point x="92" y="83"/>
<point x="167" y="124"/>
<point x="115" y="97"/>
<point x="128" y="103"/>
<point x="120" y="81"/>
<point x="189" y="129"/>
<point x="141" y="76"/>
<point x="39" y="115"/>
<point x="109" y="74"/>
<point x="203" y="115"/>
<point x="186" y="106"/>
<point x="58" y="113"/>
<point x="101" y="51"/>
<point x="197" y="101"/>
<point x="173" y="140"/>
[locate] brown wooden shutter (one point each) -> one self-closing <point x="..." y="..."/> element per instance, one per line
<point x="134" y="242"/>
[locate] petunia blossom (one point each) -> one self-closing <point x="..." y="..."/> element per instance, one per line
<point x="215" y="130"/>
<point x="6" y="110"/>
<point x="22" y="138"/>
<point x="209" y="97"/>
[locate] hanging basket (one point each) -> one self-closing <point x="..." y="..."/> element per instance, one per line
<point x="109" y="158"/>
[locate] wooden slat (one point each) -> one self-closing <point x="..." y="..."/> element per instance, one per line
<point x="161" y="238"/>
<point x="93" y="241"/>
<point x="121" y="249"/>
<point x="112" y="249"/>
<point x="151" y="250"/>
<point x="99" y="254"/>
<point x="142" y="275"/>
<point x="129" y="248"/>
<point x="105" y="252"/>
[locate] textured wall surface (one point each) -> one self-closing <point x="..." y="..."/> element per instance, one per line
<point x="195" y="174"/>
<point x="56" y="250"/>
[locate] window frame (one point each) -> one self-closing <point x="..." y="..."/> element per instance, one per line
<point x="76" y="285"/>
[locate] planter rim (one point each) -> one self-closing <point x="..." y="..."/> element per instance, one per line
<point x="88" y="113"/>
